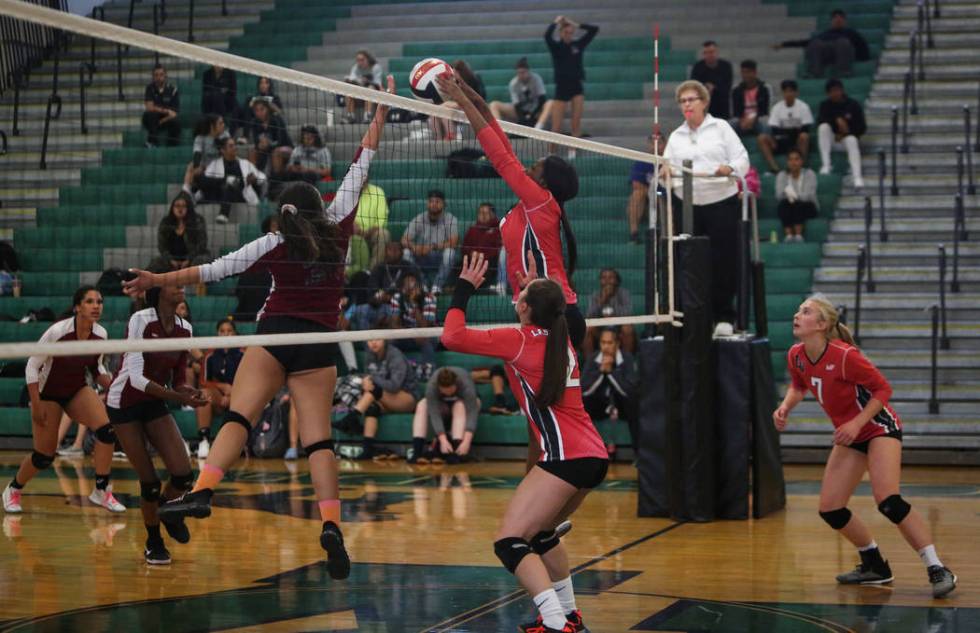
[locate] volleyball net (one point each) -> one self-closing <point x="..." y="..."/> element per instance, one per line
<point x="103" y="178"/>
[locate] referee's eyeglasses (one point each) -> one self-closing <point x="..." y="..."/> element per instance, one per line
<point x="688" y="100"/>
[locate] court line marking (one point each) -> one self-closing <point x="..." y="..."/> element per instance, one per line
<point x="493" y="605"/>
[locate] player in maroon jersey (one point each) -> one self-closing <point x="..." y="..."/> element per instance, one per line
<point x="867" y="437"/>
<point x="306" y="261"/>
<point x="544" y="376"/>
<point x="137" y="404"/>
<point x="57" y="385"/>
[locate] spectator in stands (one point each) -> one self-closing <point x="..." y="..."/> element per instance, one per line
<point x="219" y="95"/>
<point x="367" y="73"/>
<point x="717" y="76"/>
<point x="311" y="160"/>
<point x="567" y="54"/>
<point x="413" y="307"/>
<point x="529" y="104"/>
<point x="497" y="377"/>
<point x="431" y="239"/>
<point x="484" y="237"/>
<point x="389" y="387"/>
<point x="840" y="123"/>
<point x="271" y="144"/>
<point x="209" y="129"/>
<point x="253" y="285"/>
<point x="450" y="399"/>
<point x="641" y="174"/>
<point x="750" y="101"/>
<point x="609" y="385"/>
<point x="387" y="276"/>
<point x="265" y="89"/>
<point x="220" y="368"/>
<point x="182" y="237"/>
<point x="796" y="191"/>
<point x="837" y="47"/>
<point x="161" y="103"/>
<point x="371" y="223"/>
<point x="610" y="300"/>
<point x="714" y="148"/>
<point x="232" y="179"/>
<point x="790" y="121"/>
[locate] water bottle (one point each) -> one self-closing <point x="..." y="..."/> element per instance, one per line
<point x="773" y="238"/>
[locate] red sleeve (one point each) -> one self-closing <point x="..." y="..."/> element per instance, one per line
<point x="857" y="369"/>
<point x="180" y="371"/>
<point x="510" y="169"/>
<point x="794" y="373"/>
<point x="505" y="343"/>
<point x="499" y="131"/>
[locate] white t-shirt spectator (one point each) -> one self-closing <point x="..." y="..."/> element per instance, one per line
<point x="527" y="96"/>
<point x="710" y="146"/>
<point x="792" y="117"/>
<point x="206" y="147"/>
<point x="311" y="157"/>
<point x="366" y="77"/>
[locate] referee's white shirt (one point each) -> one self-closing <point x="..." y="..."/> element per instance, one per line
<point x="713" y="144"/>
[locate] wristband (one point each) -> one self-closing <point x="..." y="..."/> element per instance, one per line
<point x="461" y="295"/>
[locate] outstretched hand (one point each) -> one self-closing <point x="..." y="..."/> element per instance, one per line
<point x="532" y="272"/>
<point x="448" y="85"/>
<point x="142" y="282"/>
<point x="474" y="269"/>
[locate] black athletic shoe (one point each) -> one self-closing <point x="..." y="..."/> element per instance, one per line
<point x="332" y="541"/>
<point x="196" y="505"/>
<point x="943" y="580"/>
<point x="866" y="575"/>
<point x="177" y="530"/>
<point x="351" y="424"/>
<point x="156" y="553"/>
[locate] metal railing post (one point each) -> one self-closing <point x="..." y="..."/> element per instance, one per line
<point x="906" y="87"/>
<point x="156" y="31"/>
<point x="190" y="21"/>
<point x="742" y="300"/>
<point x="894" y="150"/>
<point x="931" y="43"/>
<point x="954" y="284"/>
<point x="687" y="190"/>
<point x="960" y="168"/>
<point x="82" y="85"/>
<point x="858" y="277"/>
<point x="959" y="218"/>
<point x="915" y="102"/>
<point x="935" y="11"/>
<point x="934" y="360"/>
<point x="867" y="243"/>
<point x="224" y="7"/>
<point x="970" y="188"/>
<point x="944" y="339"/>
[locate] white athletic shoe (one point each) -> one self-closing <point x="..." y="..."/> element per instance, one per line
<point x="105" y="499"/>
<point x="203" y="449"/>
<point x="11" y="500"/>
<point x="825" y="170"/>
<point x="724" y="329"/>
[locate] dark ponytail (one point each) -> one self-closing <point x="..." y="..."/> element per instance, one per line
<point x="561" y="179"/>
<point x="309" y="236"/>
<point x="546" y="300"/>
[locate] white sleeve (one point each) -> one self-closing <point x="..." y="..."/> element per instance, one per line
<point x="775" y="115"/>
<point x="133" y="361"/>
<point x="249" y="169"/>
<point x="349" y="192"/>
<point x="239" y="261"/>
<point x="352" y="75"/>
<point x="101" y="331"/>
<point x="215" y="169"/>
<point x="32" y="374"/>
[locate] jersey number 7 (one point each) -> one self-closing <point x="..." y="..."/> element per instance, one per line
<point x="818" y="383"/>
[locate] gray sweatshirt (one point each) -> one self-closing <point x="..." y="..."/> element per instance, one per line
<point x="392" y="373"/>
<point x="805" y="186"/>
<point x="465" y="391"/>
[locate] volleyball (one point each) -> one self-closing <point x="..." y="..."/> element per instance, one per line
<point x="423" y="79"/>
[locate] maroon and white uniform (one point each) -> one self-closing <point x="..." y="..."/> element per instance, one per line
<point x="60" y="377"/>
<point x="307" y="290"/>
<point x="139" y="368"/>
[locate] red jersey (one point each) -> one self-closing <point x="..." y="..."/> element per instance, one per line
<point x="564" y="430"/>
<point x="843" y="381"/>
<point x="59" y="377"/>
<point x="534" y="224"/>
<point x="139" y="368"/>
<point x="307" y="290"/>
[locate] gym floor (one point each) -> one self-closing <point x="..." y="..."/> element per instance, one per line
<point x="421" y="539"/>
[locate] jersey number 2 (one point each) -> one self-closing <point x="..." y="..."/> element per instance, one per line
<point x="572" y="361"/>
<point x="818" y="383"/>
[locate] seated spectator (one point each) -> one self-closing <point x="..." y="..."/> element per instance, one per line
<point x="796" y="191"/>
<point x="790" y="121"/>
<point x="840" y="123"/>
<point x="484" y="237"/>
<point x="447" y="129"/>
<point x="310" y="161"/>
<point x="431" y="239"/>
<point x="610" y="300"/>
<point x="208" y="134"/>
<point x="609" y="383"/>
<point x="182" y="237"/>
<point x="641" y="174"/>
<point x="750" y="101"/>
<point x="383" y="283"/>
<point x="716" y="75"/>
<point x="271" y="144"/>
<point x="220" y="367"/>
<point x="367" y="73"/>
<point x="529" y="104"/>
<point x="219" y="95"/>
<point x="231" y="179"/>
<point x="413" y="307"/>
<point x="836" y="47"/>
<point x="371" y="223"/>
<point x="497" y="378"/>
<point x="265" y="89"/>
<point x="389" y="387"/>
<point x="450" y="400"/>
<point x="161" y="103"/>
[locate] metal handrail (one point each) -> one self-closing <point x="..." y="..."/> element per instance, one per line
<point x="858" y="278"/>
<point x="190" y="21"/>
<point x="881" y="192"/>
<point x="224" y="7"/>
<point x="971" y="187"/>
<point x="98" y="13"/>
<point x="954" y="285"/>
<point x="894" y="150"/>
<point x="934" y="360"/>
<point x="20" y="80"/>
<point x="911" y="74"/>
<point x="54" y="101"/>
<point x="84" y="83"/>
<point x="935" y="12"/>
<point x="944" y="339"/>
<point x="924" y="23"/>
<point x="3" y="142"/>
<point x="960" y="169"/>
<point x="156" y="31"/>
<point x="930" y="42"/>
<point x="906" y="87"/>
<point x="867" y="242"/>
<point x="976" y="146"/>
<point x="959" y="218"/>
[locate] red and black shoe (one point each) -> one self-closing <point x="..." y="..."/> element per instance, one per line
<point x="538" y="627"/>
<point x="574" y="620"/>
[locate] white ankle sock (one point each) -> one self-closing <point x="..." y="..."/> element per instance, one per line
<point x="549" y="606"/>
<point x="929" y="557"/>
<point x="566" y="594"/>
<point x="870" y="546"/>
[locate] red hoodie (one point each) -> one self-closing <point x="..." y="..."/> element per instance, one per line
<point x="484" y="238"/>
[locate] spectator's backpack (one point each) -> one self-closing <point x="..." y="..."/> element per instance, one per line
<point x="348" y="391"/>
<point x="110" y="282"/>
<point x="270" y="437"/>
<point x="469" y="162"/>
<point x="8" y="258"/>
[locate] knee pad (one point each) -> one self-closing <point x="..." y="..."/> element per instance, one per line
<point x="895" y="508"/>
<point x="836" y="519"/>
<point x="238" y="418"/>
<point x="511" y="551"/>
<point x="41" y="461"/>
<point x="498" y="370"/>
<point x="150" y="491"/>
<point x="544" y="542"/>
<point x="373" y="411"/>
<point x="322" y="445"/>
<point x="106" y="434"/>
<point x="182" y="483"/>
<point x="377" y="392"/>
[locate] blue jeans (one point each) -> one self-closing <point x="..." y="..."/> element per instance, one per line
<point x="367" y="317"/>
<point x="435" y="266"/>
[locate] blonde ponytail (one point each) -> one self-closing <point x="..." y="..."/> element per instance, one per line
<point x="828" y="314"/>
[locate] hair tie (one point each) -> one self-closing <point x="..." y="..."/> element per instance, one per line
<point x="288" y="208"/>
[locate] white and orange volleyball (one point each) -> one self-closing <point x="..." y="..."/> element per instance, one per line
<point x="423" y="79"/>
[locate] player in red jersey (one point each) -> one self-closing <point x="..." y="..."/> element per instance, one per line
<point x="867" y="437"/>
<point x="57" y="385"/>
<point x="544" y="376"/>
<point x="306" y="262"/>
<point x="137" y="404"/>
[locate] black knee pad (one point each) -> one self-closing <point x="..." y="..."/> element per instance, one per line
<point x="150" y="490"/>
<point x="238" y="418"/>
<point x="182" y="483"/>
<point x="41" y="461"/>
<point x="895" y="508"/>
<point x="322" y="445"/>
<point x="836" y="519"/>
<point x="498" y="370"/>
<point x="544" y="542"/>
<point x="106" y="434"/>
<point x="511" y="551"/>
<point x="373" y="411"/>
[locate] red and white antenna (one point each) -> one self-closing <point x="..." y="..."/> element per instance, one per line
<point x="656" y="81"/>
